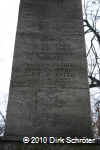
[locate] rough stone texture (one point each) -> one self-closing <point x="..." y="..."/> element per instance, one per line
<point x="5" y="145"/>
<point x="49" y="93"/>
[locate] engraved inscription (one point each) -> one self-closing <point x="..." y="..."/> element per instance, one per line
<point x="48" y="60"/>
<point x="46" y="50"/>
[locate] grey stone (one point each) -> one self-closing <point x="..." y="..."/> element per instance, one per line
<point x="49" y="93"/>
<point x="14" y="145"/>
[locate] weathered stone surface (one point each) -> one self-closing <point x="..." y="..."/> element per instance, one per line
<point x="49" y="93"/>
<point x="6" y="145"/>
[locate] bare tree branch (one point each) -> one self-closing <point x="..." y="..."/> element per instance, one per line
<point x="92" y="29"/>
<point x="2" y="116"/>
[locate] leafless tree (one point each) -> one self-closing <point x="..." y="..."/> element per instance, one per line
<point x="3" y="103"/>
<point x="91" y="19"/>
<point x="2" y="126"/>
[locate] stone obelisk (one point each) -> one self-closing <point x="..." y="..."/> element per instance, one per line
<point x="49" y="93"/>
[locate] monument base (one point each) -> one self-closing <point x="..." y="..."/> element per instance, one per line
<point x="16" y="143"/>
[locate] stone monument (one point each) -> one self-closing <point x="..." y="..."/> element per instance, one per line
<point x="49" y="93"/>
